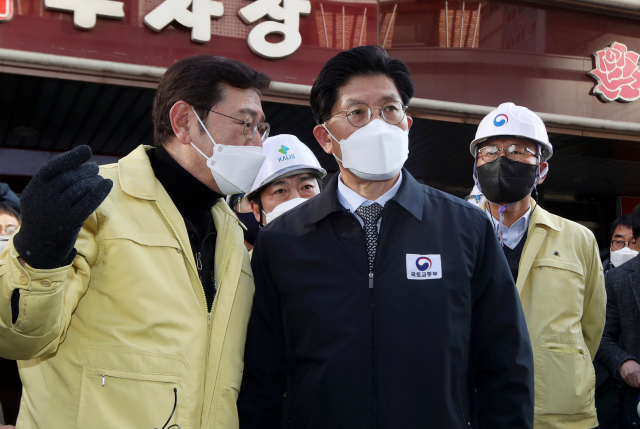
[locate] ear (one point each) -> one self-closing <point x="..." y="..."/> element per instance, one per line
<point x="323" y="137"/>
<point x="256" y="210"/>
<point x="179" y="117"/>
<point x="543" y="165"/>
<point x="409" y="122"/>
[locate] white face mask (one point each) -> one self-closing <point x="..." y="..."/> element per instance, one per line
<point x="4" y="239"/>
<point x="623" y="255"/>
<point x="283" y="208"/>
<point x="233" y="167"/>
<point x="376" y="151"/>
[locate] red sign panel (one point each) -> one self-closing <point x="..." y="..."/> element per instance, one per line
<point x="627" y="204"/>
<point x="6" y="10"/>
<point x="475" y="52"/>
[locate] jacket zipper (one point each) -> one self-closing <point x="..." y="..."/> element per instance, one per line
<point x="215" y="298"/>
<point x="195" y="270"/>
<point x="465" y="422"/>
<point x="374" y="362"/>
<point x="373" y="329"/>
<point x="198" y="263"/>
<point x="374" y="379"/>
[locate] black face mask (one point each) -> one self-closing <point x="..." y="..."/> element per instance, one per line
<point x="505" y="181"/>
<point x="249" y="220"/>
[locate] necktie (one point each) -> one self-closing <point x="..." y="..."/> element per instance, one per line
<point x="370" y="215"/>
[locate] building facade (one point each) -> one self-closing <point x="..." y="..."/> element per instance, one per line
<point x="75" y="72"/>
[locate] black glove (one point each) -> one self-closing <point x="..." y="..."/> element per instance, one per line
<point x="55" y="204"/>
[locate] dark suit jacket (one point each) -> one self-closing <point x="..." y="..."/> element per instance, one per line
<point x="393" y="350"/>
<point x="621" y="338"/>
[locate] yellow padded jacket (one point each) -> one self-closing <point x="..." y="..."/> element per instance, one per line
<point x="561" y="287"/>
<point x="104" y="342"/>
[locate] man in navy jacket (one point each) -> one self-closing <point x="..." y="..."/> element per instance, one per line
<point x="381" y="303"/>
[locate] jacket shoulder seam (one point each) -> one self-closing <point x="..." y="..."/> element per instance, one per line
<point x="452" y="199"/>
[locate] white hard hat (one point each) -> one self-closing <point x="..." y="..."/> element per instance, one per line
<point x="510" y="120"/>
<point x="285" y="156"/>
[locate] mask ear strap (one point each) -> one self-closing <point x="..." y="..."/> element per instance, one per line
<point x="334" y="155"/>
<point x="201" y="153"/>
<point x="261" y="224"/>
<point x="475" y="170"/>
<point x="327" y="129"/>
<point x="543" y="173"/>
<point x="205" y="128"/>
<point x="539" y="174"/>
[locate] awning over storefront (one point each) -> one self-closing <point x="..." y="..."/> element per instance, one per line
<point x="41" y="117"/>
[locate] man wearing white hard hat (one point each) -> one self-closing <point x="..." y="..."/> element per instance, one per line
<point x="555" y="263"/>
<point x="289" y="176"/>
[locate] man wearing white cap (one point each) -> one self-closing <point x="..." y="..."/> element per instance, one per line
<point x="289" y="176"/>
<point x="555" y="263"/>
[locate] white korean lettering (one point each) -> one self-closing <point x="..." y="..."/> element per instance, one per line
<point x="289" y="13"/>
<point x="86" y="11"/>
<point x="198" y="19"/>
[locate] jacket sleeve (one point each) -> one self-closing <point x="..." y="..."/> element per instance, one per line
<point x="264" y="382"/>
<point x="610" y="353"/>
<point x="501" y="359"/>
<point x="47" y="298"/>
<point x="595" y="301"/>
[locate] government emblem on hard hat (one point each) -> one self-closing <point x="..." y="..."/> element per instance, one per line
<point x="500" y="120"/>
<point x="509" y="120"/>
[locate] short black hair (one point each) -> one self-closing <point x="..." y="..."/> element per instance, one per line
<point x="624" y="220"/>
<point x="7" y="209"/>
<point x="360" y="61"/>
<point x="199" y="81"/>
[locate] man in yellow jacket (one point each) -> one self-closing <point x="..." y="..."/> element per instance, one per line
<point x="555" y="263"/>
<point x="132" y="289"/>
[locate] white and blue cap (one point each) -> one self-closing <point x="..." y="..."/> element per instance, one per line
<point x="285" y="156"/>
<point x="509" y="120"/>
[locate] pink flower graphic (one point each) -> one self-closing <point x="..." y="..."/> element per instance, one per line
<point x="617" y="74"/>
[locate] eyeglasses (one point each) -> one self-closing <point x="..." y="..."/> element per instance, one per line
<point x="514" y="152"/>
<point x="8" y="229"/>
<point x="360" y="114"/>
<point x="619" y="244"/>
<point x="251" y="126"/>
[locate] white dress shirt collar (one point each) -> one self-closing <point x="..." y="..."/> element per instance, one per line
<point x="351" y="200"/>
<point x="511" y="235"/>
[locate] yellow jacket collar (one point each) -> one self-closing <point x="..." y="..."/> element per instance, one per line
<point x="136" y="175"/>
<point x="138" y="180"/>
<point x="540" y="216"/>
